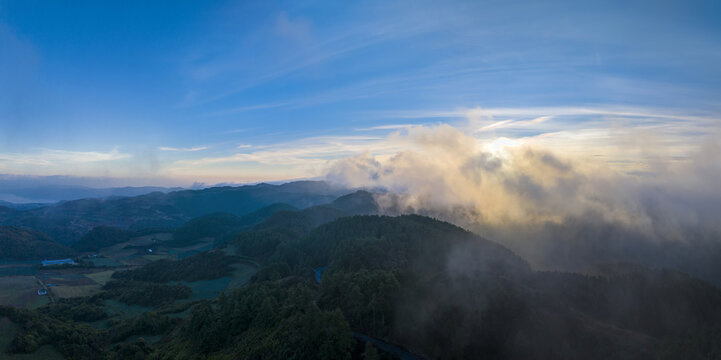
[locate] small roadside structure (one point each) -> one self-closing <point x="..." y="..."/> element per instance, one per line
<point x="42" y="292"/>
<point x="58" y="262"/>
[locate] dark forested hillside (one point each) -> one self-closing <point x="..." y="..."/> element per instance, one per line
<point x="219" y="225"/>
<point x="445" y="293"/>
<point x="362" y="287"/>
<point x="20" y="244"/>
<point x="102" y="236"/>
<point x="203" y="266"/>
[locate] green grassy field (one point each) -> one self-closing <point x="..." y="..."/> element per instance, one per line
<point x="242" y="274"/>
<point x="205" y="289"/>
<point x="129" y="253"/>
<point x="208" y="289"/>
<point x="75" y="291"/>
<point x="101" y="277"/>
<point x="103" y="261"/>
<point x="21" y="291"/>
<point x="9" y="268"/>
<point x="70" y="284"/>
<point x="66" y="278"/>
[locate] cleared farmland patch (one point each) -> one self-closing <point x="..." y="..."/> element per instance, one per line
<point x="101" y="277"/>
<point x="21" y="292"/>
<point x="75" y="291"/>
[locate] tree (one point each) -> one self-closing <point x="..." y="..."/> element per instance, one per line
<point x="370" y="352"/>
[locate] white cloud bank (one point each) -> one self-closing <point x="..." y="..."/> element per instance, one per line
<point x="550" y="177"/>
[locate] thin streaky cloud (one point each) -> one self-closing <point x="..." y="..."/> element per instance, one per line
<point x="190" y="149"/>
<point x="546" y="111"/>
<point x="247" y="108"/>
<point x="55" y="156"/>
<point x="386" y="127"/>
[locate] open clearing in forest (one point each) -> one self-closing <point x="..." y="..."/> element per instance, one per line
<point x="70" y="285"/>
<point x="101" y="277"/>
<point x="75" y="291"/>
<point x="134" y="252"/>
<point x="244" y="271"/>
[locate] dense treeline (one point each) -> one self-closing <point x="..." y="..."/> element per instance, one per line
<point x="73" y="340"/>
<point x="261" y="244"/>
<point x="211" y="225"/>
<point x="76" y="309"/>
<point x="203" y="266"/>
<point x="148" y="323"/>
<point x="222" y="225"/>
<point x="67" y="221"/>
<point x="446" y="293"/>
<point x="286" y="227"/>
<point x="302" y="221"/>
<point x="424" y="285"/>
<point x="102" y="236"/>
<point x="267" y="320"/>
<point x="22" y="244"/>
<point x="81" y="341"/>
<point x="145" y="293"/>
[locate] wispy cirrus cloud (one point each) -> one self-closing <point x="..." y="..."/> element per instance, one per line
<point x="72" y="163"/>
<point x="540" y="114"/>
<point x="386" y="127"/>
<point x="55" y="156"/>
<point x="188" y="149"/>
<point x="629" y="140"/>
<point x="302" y="152"/>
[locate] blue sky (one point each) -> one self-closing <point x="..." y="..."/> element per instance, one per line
<point x="171" y="92"/>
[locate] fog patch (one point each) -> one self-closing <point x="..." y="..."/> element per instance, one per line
<point x="557" y="210"/>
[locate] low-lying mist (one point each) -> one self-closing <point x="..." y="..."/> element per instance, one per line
<point x="557" y="209"/>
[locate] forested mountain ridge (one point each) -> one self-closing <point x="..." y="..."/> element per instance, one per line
<point x="67" y="221"/>
<point x="17" y="243"/>
<point x="102" y="236"/>
<point x="218" y="225"/>
<point x="412" y="282"/>
<point x="446" y="293"/>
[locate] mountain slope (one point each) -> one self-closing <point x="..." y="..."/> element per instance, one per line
<point x="66" y="222"/>
<point x="443" y="292"/>
<point x="102" y="236"/>
<point x="21" y="244"/>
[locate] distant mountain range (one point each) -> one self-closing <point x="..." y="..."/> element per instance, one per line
<point x="51" y="194"/>
<point x="19" y="190"/>
<point x="330" y="268"/>
<point x="221" y="211"/>
<point x="68" y="221"/>
<point x="22" y="206"/>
